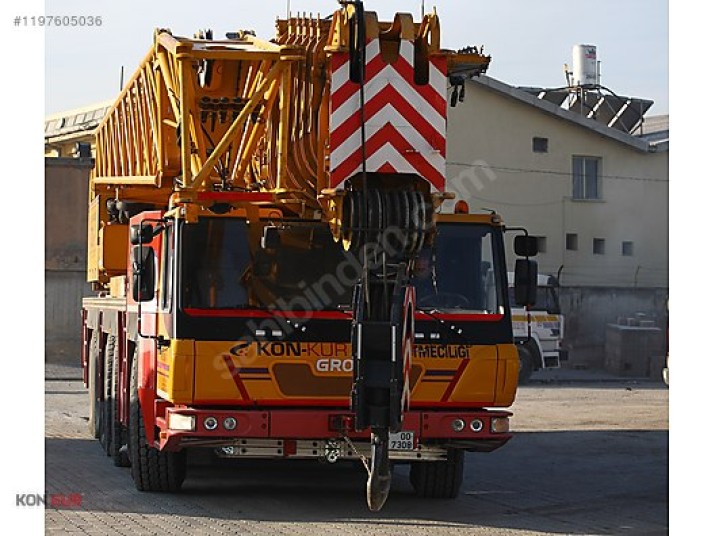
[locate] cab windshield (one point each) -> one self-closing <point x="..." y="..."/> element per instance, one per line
<point x="461" y="271"/>
<point x="223" y="266"/>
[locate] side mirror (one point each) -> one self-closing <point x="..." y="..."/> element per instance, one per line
<point x="525" y="282"/>
<point x="141" y="234"/>
<point x="526" y="246"/>
<point x="143" y="277"/>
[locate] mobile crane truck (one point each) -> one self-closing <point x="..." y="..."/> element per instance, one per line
<point x="256" y="214"/>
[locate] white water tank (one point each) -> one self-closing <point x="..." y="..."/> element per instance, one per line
<point x="585" y="65"/>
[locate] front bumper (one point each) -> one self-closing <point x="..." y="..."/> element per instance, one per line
<point x="285" y="433"/>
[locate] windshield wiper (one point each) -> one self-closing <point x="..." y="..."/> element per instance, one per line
<point x="442" y="324"/>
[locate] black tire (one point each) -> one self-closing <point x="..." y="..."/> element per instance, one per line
<point x="115" y="431"/>
<point x="152" y="470"/>
<point x="94" y="405"/>
<point x="105" y="427"/>
<point x="439" y="480"/>
<point x="526" y="364"/>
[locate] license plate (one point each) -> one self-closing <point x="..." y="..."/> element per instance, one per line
<point x="402" y="441"/>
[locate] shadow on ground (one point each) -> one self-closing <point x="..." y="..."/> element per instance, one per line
<point x="607" y="482"/>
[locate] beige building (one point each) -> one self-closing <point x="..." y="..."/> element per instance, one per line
<point x="589" y="178"/>
<point x="596" y="196"/>
<point x="65" y="130"/>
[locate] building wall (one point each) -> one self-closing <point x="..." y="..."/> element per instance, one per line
<point x="589" y="310"/>
<point x="66" y="183"/>
<point x="492" y="165"/>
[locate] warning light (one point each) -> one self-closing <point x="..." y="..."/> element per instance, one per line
<point x="461" y="207"/>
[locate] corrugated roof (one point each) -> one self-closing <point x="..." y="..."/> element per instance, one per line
<point x="79" y="120"/>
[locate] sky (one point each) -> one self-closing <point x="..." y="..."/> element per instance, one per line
<point x="529" y="41"/>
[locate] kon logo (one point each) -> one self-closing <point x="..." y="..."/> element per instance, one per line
<point x="334" y="365"/>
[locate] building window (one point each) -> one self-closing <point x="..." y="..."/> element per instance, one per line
<point x="586" y="177"/>
<point x="599" y="246"/>
<point x="540" y="145"/>
<point x="627" y="249"/>
<point x="572" y="242"/>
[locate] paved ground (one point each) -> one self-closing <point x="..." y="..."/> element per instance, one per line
<point x="591" y="457"/>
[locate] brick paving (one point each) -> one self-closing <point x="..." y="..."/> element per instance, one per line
<point x="579" y="481"/>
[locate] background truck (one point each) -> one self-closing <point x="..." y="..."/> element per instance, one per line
<point x="256" y="213"/>
<point x="539" y="329"/>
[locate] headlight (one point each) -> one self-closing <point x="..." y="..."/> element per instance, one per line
<point x="210" y="423"/>
<point x="183" y="423"/>
<point x="229" y="423"/>
<point x="476" y="426"/>
<point x="458" y="425"/>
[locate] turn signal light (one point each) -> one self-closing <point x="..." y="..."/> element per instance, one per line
<point x="500" y="425"/>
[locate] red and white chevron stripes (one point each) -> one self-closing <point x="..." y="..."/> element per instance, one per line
<point x="405" y="123"/>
